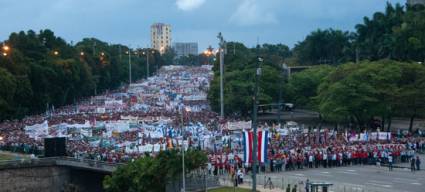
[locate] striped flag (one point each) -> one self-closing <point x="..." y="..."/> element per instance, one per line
<point x="248" y="146"/>
<point x="262" y="146"/>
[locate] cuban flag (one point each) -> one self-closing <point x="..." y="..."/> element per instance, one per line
<point x="247" y="145"/>
<point x="248" y="138"/>
<point x="262" y="146"/>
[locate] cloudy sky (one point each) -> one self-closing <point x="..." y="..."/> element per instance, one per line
<point x="128" y="21"/>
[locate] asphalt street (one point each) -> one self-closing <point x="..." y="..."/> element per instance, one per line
<point x="355" y="178"/>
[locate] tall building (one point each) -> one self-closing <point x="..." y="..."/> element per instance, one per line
<point x="415" y="2"/>
<point x="185" y="49"/>
<point x="161" y="36"/>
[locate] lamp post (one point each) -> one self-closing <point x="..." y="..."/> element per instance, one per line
<point x="255" y="124"/>
<point x="183" y="149"/>
<point x="284" y="67"/>
<point x="129" y="66"/>
<point x="147" y="61"/>
<point x="221" y="49"/>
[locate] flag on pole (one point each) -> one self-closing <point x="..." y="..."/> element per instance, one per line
<point x="248" y="143"/>
<point x="262" y="146"/>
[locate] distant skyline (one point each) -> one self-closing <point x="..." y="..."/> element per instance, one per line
<point x="128" y="21"/>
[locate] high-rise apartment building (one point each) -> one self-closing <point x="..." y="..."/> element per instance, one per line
<point x="161" y="36"/>
<point x="185" y="49"/>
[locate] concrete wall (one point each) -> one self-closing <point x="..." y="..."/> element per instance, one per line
<point x="50" y="179"/>
<point x="34" y="179"/>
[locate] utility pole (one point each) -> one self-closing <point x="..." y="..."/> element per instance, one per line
<point x="255" y="123"/>
<point x="129" y="66"/>
<point x="284" y="67"/>
<point x="183" y="171"/>
<point x="222" y="47"/>
<point x="147" y="64"/>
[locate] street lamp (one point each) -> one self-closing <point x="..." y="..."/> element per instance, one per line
<point x="147" y="61"/>
<point x="255" y="123"/>
<point x="284" y="68"/>
<point x="183" y="133"/>
<point x="208" y="54"/>
<point x="6" y="49"/>
<point x="56" y="53"/>
<point x="81" y="53"/>
<point x="129" y="66"/>
<point x="221" y="49"/>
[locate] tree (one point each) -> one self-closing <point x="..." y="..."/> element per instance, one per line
<point x="8" y="86"/>
<point x="360" y="92"/>
<point x="346" y="93"/>
<point x="409" y="36"/>
<point x="152" y="174"/>
<point x="239" y="78"/>
<point x="191" y="60"/>
<point x="302" y="87"/>
<point x="411" y="98"/>
<point x="325" y="47"/>
<point x="46" y="70"/>
<point x="168" y="57"/>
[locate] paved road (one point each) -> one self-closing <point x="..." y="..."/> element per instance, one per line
<point x="370" y="178"/>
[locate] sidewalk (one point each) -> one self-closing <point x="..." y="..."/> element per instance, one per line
<point x="260" y="188"/>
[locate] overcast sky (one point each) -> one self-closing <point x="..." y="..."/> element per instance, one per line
<point x="128" y="21"/>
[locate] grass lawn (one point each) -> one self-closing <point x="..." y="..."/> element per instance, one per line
<point x="229" y="189"/>
<point x="4" y="157"/>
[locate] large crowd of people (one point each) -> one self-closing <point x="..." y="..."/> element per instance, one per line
<point x="171" y="109"/>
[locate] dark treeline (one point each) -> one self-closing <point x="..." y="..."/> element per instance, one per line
<point x="389" y="49"/>
<point x="397" y="34"/>
<point x="38" y="70"/>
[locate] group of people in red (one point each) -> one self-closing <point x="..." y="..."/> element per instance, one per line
<point x="298" y="151"/>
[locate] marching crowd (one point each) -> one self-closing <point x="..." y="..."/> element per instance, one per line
<point x="301" y="151"/>
<point x="176" y="98"/>
<point x="173" y="99"/>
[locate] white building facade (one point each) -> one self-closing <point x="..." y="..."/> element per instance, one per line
<point x="161" y="36"/>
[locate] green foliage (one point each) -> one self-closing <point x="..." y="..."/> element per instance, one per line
<point x="192" y="60"/>
<point x="397" y="33"/>
<point x="152" y="174"/>
<point x="359" y="92"/>
<point x="33" y="76"/>
<point x="239" y="77"/>
<point x="302" y="87"/>
<point x="325" y="47"/>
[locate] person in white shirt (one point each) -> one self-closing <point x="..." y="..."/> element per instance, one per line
<point x="310" y="160"/>
<point x="325" y="160"/>
<point x="390" y="162"/>
<point x="240" y="176"/>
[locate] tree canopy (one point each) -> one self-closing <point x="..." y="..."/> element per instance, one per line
<point x="388" y="48"/>
<point x="152" y="174"/>
<point x="41" y="69"/>
<point x="239" y="76"/>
